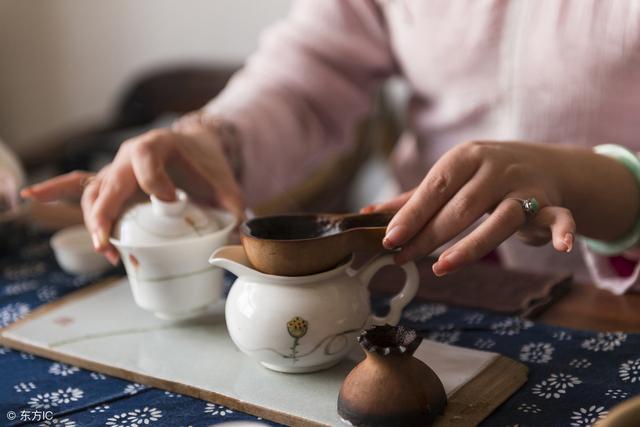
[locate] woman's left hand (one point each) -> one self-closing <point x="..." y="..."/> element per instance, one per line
<point x="476" y="178"/>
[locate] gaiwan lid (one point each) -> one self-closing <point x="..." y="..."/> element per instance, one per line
<point x="158" y="222"/>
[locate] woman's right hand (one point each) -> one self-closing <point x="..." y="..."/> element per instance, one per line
<point x="193" y="153"/>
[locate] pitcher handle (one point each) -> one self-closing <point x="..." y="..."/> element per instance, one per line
<point x="402" y="298"/>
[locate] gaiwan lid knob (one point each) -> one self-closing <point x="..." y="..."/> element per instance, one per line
<point x="159" y="221"/>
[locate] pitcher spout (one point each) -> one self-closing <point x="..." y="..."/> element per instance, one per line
<point x="234" y="259"/>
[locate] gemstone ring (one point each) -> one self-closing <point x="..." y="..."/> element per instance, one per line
<point x="529" y="206"/>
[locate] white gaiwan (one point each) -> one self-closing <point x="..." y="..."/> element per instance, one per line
<point x="165" y="248"/>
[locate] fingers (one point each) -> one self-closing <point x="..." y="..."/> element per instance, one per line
<point x="562" y="225"/>
<point x="149" y="161"/>
<point x="471" y="202"/>
<point x="88" y="199"/>
<point x="64" y="187"/>
<point x="505" y="220"/>
<point x="116" y="186"/>
<point x="227" y="190"/>
<point x="500" y="225"/>
<point x="141" y="161"/>
<point x="207" y="163"/>
<point x="231" y="199"/>
<point x="392" y="205"/>
<point x="444" y="180"/>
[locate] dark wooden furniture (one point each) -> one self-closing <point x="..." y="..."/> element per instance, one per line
<point x="578" y="306"/>
<point x="174" y="89"/>
<point x="589" y="308"/>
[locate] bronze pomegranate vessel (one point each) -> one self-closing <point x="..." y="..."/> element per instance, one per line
<point x="391" y="387"/>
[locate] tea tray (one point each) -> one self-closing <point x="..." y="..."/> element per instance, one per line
<point x="100" y="328"/>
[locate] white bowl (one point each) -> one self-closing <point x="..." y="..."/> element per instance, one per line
<point x="74" y="251"/>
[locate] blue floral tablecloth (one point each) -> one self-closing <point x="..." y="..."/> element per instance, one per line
<point x="575" y="377"/>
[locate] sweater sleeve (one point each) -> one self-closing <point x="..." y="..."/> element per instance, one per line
<point x="606" y="271"/>
<point x="296" y="102"/>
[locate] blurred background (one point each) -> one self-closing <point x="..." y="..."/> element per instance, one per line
<point x="80" y="77"/>
<point x="66" y="64"/>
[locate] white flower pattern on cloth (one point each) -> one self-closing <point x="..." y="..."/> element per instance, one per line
<point x="63" y="369"/>
<point x="563" y="380"/>
<point x="12" y="312"/>
<point x="58" y="277"/>
<point x="445" y="337"/>
<point x="4" y="350"/>
<point x="20" y="287"/>
<point x="24" y="271"/>
<point x="119" y="420"/>
<point x="484" y="343"/>
<point x="26" y="356"/>
<point x="579" y="363"/>
<point x="547" y="391"/>
<point x="169" y="394"/>
<point x="510" y="326"/>
<point x="134" y="388"/>
<point x="24" y="387"/>
<point x="83" y="279"/>
<point x="144" y="416"/>
<point x="474" y="318"/>
<point x="555" y="386"/>
<point x="98" y="376"/>
<point x="446" y="334"/>
<point x="529" y="408"/>
<point x="213" y="409"/>
<point x="43" y="401"/>
<point x="605" y="341"/>
<point x="424" y="312"/>
<point x="588" y="416"/>
<point x="47" y="293"/>
<point x="536" y="352"/>
<point x="630" y="371"/>
<point x="67" y="396"/>
<point x="616" y="394"/>
<point x="99" y="408"/>
<point x="562" y="336"/>
<point x="65" y="422"/>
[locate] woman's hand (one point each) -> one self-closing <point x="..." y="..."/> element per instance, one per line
<point x="191" y="157"/>
<point x="491" y="177"/>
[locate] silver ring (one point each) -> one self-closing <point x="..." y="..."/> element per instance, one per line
<point x="529" y="206"/>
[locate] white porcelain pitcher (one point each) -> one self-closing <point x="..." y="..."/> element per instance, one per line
<point x="304" y="323"/>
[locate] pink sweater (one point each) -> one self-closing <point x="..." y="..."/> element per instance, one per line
<point x="544" y="70"/>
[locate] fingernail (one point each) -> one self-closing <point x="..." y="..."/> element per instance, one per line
<point x="448" y="263"/>
<point x="26" y="192"/>
<point x="95" y="240"/>
<point x="437" y="269"/>
<point x="568" y="241"/>
<point x="368" y="209"/>
<point x="103" y="239"/>
<point x="112" y="258"/>
<point x="394" y="237"/>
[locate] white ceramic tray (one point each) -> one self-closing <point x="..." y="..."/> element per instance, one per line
<point x="100" y="328"/>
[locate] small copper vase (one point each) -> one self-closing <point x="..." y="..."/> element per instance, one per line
<point x="391" y="387"/>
